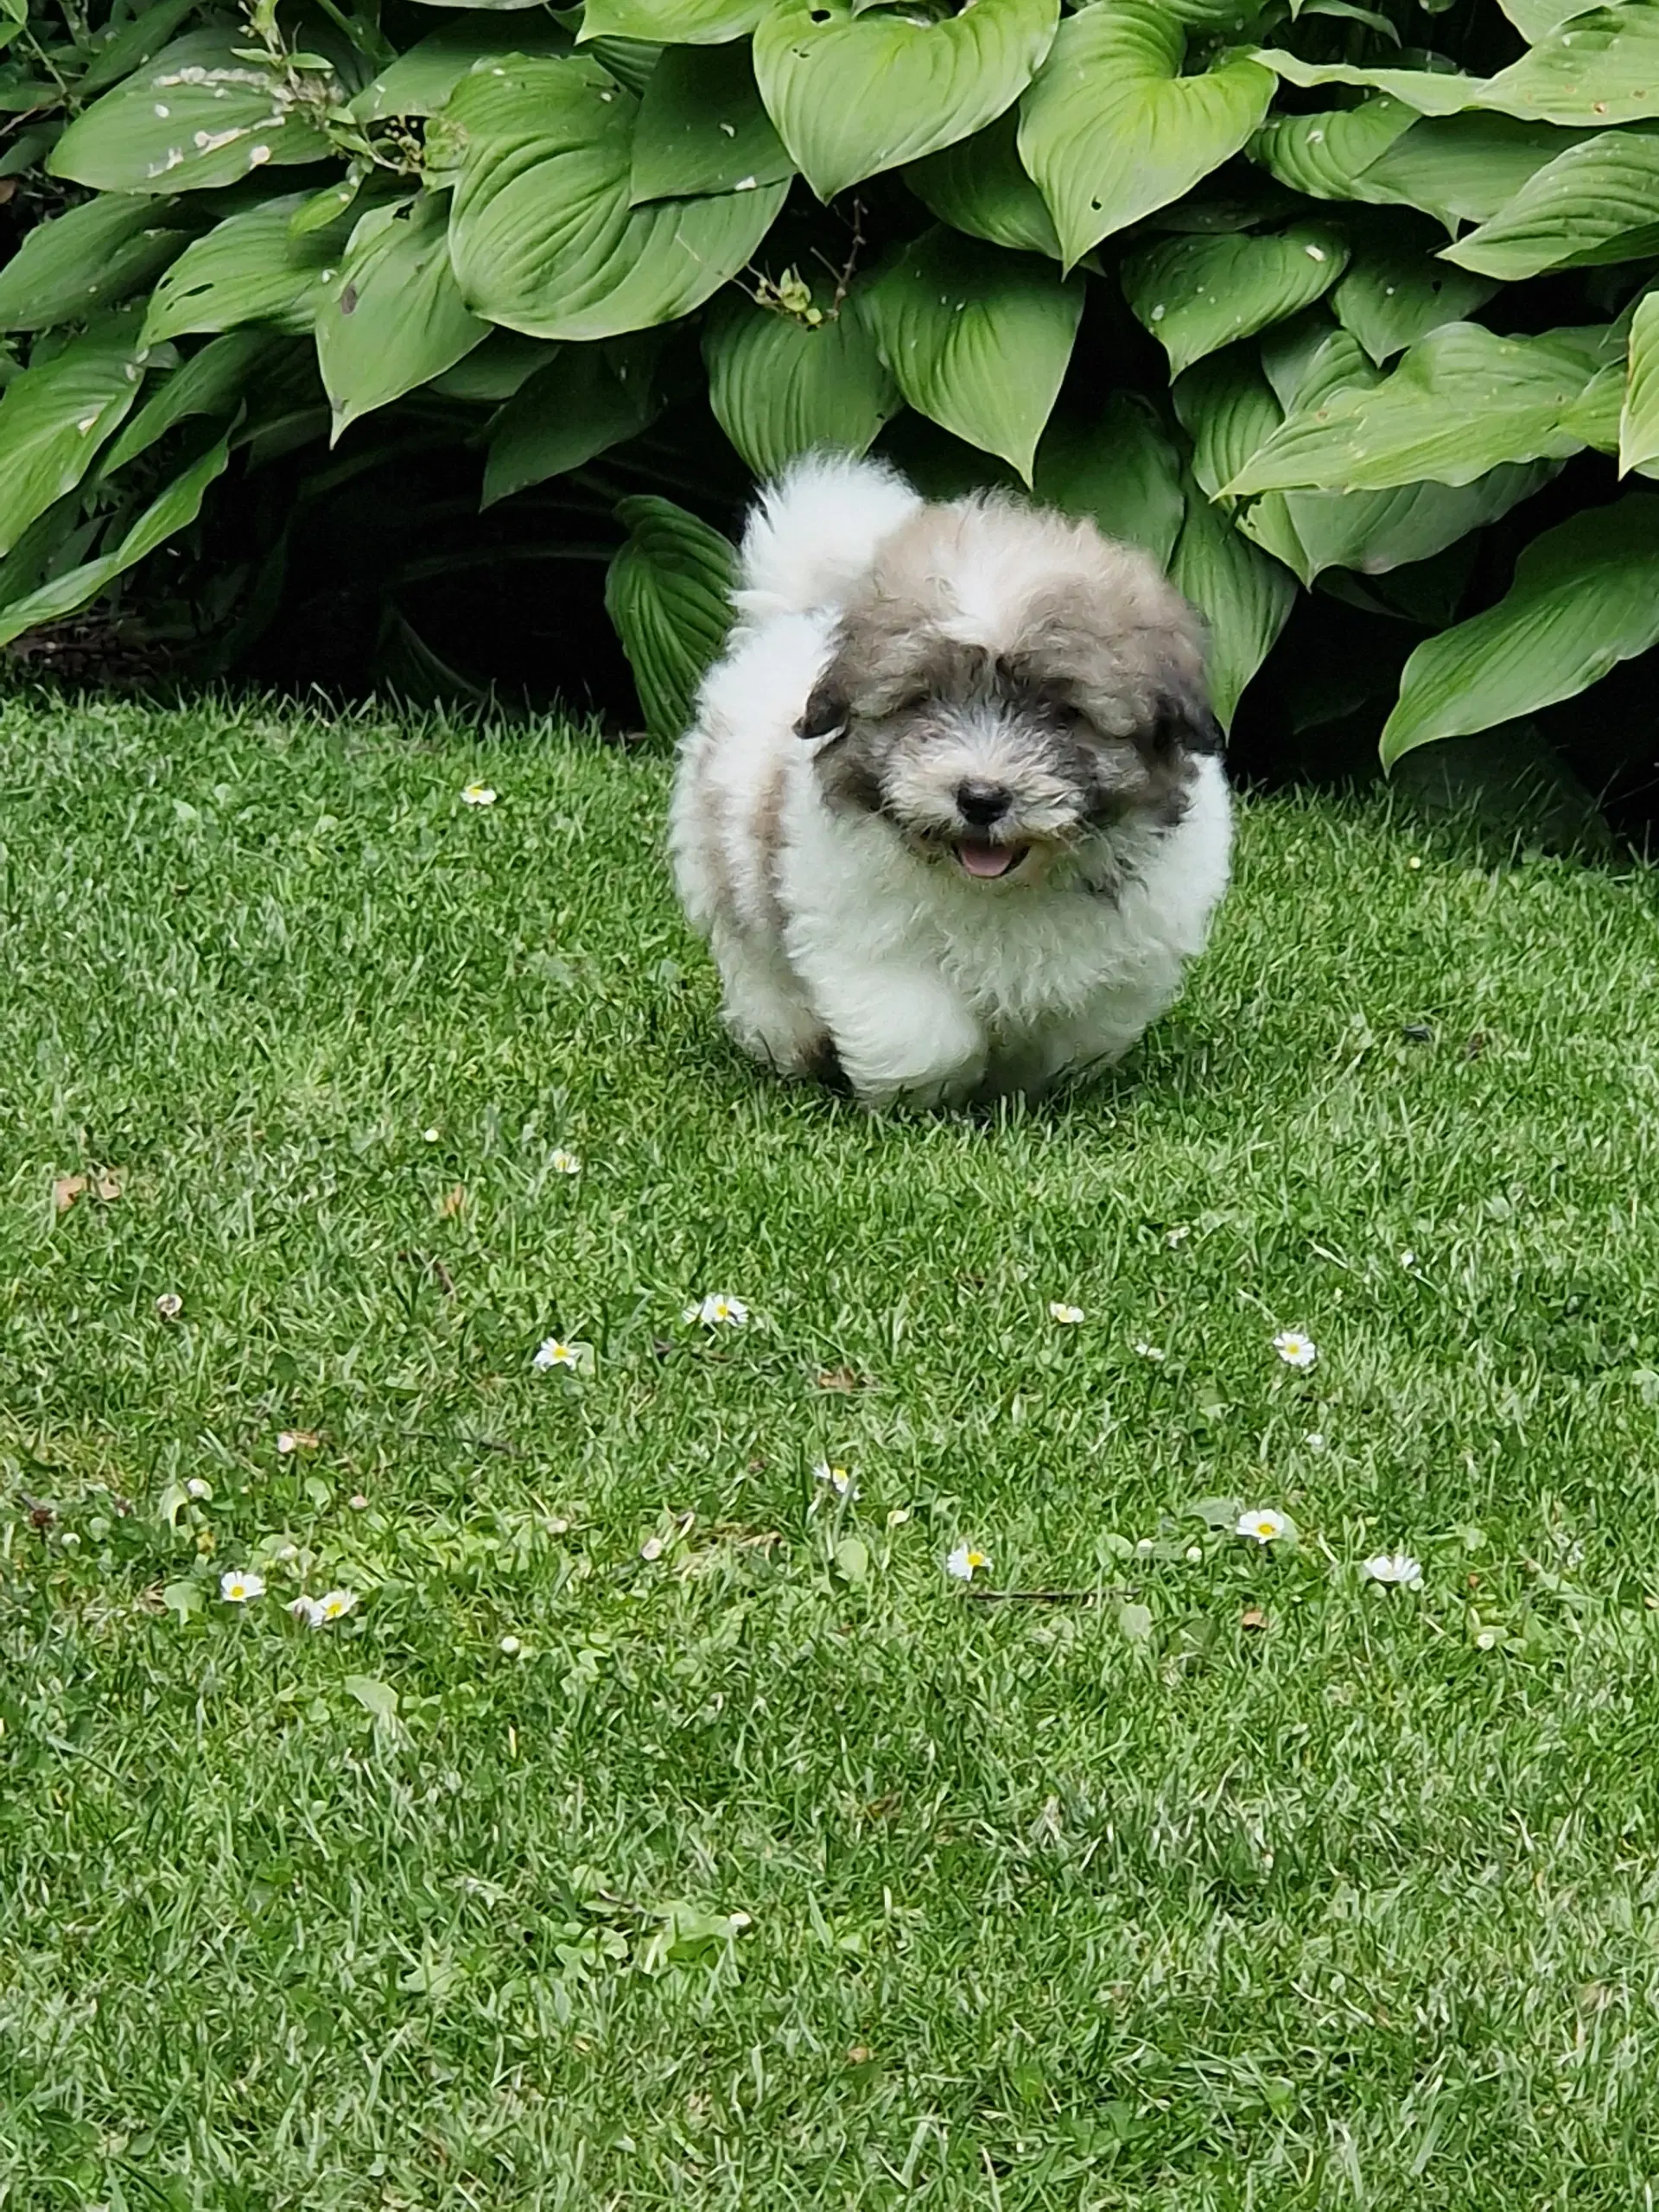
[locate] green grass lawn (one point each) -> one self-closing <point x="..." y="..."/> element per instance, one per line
<point x="770" y="1868"/>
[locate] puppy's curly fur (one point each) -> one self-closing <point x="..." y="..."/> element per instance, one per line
<point x="951" y="816"/>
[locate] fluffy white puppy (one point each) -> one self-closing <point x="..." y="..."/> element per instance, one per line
<point x="952" y="816"/>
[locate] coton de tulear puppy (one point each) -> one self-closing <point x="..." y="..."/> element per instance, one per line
<point x="952" y="816"/>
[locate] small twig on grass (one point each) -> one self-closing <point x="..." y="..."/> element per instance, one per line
<point x="472" y="1443"/>
<point x="1046" y="1597"/>
<point x="434" y="1265"/>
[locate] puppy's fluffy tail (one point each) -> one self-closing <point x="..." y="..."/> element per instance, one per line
<point x="812" y="534"/>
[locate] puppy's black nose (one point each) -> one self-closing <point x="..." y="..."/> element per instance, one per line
<point x="982" y="804"/>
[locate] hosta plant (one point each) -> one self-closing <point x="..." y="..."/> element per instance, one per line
<point x="1332" y="307"/>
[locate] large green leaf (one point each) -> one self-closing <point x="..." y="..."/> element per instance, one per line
<point x="1121" y="471"/>
<point x="420" y="81"/>
<point x="1638" y="427"/>
<point x="1231" y="409"/>
<point x="543" y="236"/>
<point x="1536" y="19"/>
<point x="251" y="268"/>
<point x="1460" y="402"/>
<point x="1583" y="598"/>
<point x="702" y="128"/>
<point x="669" y="593"/>
<point x="392" y="316"/>
<point x="1600" y="68"/>
<point x="1110" y="129"/>
<point x="55" y="418"/>
<point x="855" y="92"/>
<point x="176" y="507"/>
<point x="212" y="382"/>
<point x="134" y="44"/>
<point x="194" y="116"/>
<point x="1196" y="295"/>
<point x="1597" y="202"/>
<point x="1373" y="533"/>
<point x="1243" y="594"/>
<point x="586" y="400"/>
<point x="1464" y="167"/>
<point x="779" y="386"/>
<point x="1391" y="297"/>
<point x="1327" y="155"/>
<point x="631" y="61"/>
<point x="978" y="185"/>
<point x="977" y="337"/>
<point x="672" y="23"/>
<point x="87" y="260"/>
<point x="493" y="372"/>
<point x="1228" y="409"/>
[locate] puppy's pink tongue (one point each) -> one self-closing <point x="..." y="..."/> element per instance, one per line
<point x="987" y="859"/>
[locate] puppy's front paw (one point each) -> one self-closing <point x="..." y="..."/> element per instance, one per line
<point x="908" y="1042"/>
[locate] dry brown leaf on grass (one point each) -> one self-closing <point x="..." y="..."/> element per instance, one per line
<point x="451" y="1203"/>
<point x="844" y="1378"/>
<point x="65" y="1189"/>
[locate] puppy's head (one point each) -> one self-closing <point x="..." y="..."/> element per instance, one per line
<point x="1007" y="683"/>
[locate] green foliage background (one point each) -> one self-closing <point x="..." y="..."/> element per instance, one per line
<point x="1339" y="299"/>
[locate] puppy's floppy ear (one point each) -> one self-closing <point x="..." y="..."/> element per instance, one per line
<point x="1185" y="725"/>
<point x="827" y="708"/>
<point x="1183" y="720"/>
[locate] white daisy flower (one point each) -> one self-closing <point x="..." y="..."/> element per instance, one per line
<point x="719" y="1311"/>
<point x="197" y="1488"/>
<point x="308" y="1609"/>
<point x="477" y="795"/>
<point x="964" y="1563"/>
<point x="1408" y="1259"/>
<point x="1397" y="1568"/>
<point x="1194" y="1555"/>
<point x="565" y="1163"/>
<point x="553" y="1351"/>
<point x="1150" y="1351"/>
<point x="651" y="1549"/>
<point x="335" y="1604"/>
<point x="511" y="1646"/>
<point x="1314" y="1440"/>
<point x="431" y="1136"/>
<point x="357" y="1502"/>
<point x="1266" y="1526"/>
<point x="240" y="1588"/>
<point x="169" y="1306"/>
<point x="1068" y="1315"/>
<point x="838" y="1479"/>
<point x="1294" y="1349"/>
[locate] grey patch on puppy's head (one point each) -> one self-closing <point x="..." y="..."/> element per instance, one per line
<point x="1008" y="682"/>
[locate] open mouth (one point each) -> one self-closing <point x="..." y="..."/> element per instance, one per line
<point x="989" y="861"/>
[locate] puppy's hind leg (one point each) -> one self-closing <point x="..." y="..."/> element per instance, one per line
<point x="764" y="1008"/>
